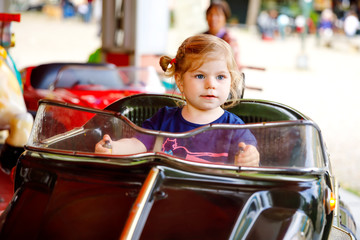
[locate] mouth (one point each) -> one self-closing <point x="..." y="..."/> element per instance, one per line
<point x="208" y="96"/>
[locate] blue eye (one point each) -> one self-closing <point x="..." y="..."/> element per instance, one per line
<point x="199" y="76"/>
<point x="220" y="77"/>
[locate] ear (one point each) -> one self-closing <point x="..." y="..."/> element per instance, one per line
<point x="178" y="82"/>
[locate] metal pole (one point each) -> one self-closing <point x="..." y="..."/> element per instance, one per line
<point x="302" y="59"/>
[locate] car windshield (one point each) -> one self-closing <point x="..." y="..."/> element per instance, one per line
<point x="102" y="78"/>
<point x="75" y="130"/>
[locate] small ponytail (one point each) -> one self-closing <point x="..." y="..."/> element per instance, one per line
<point x="167" y="64"/>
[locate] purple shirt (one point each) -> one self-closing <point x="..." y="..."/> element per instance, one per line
<point x="219" y="145"/>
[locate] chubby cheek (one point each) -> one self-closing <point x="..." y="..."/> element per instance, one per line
<point x="226" y="87"/>
<point x="190" y="90"/>
<point x="226" y="90"/>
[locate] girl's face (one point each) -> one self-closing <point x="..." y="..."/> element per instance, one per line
<point x="216" y="20"/>
<point x="207" y="87"/>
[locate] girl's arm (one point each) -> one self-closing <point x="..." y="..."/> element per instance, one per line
<point x="248" y="156"/>
<point x="122" y="146"/>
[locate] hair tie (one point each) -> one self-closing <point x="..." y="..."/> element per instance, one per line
<point x="173" y="61"/>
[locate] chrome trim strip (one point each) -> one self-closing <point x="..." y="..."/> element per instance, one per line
<point x="131" y="229"/>
<point x="169" y="134"/>
<point x="131" y="160"/>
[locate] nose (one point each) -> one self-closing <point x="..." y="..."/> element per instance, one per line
<point x="210" y="83"/>
<point x="213" y="17"/>
<point x="212" y="20"/>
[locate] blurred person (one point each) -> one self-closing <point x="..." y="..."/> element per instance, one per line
<point x="351" y="24"/>
<point x="267" y="22"/>
<point x="283" y="22"/>
<point x="68" y="8"/>
<point x="326" y="26"/>
<point x="217" y="14"/>
<point x="85" y="10"/>
<point x="300" y="23"/>
<point x="262" y="21"/>
<point x="89" y="12"/>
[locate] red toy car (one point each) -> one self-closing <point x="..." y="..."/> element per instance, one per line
<point x="91" y="85"/>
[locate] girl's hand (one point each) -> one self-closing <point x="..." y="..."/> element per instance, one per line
<point x="122" y="146"/>
<point x="248" y="156"/>
<point x="101" y="147"/>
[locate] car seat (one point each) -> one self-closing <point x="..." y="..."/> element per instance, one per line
<point x="140" y="107"/>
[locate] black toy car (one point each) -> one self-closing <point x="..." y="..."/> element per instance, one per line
<point x="66" y="191"/>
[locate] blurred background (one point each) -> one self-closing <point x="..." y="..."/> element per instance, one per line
<point x="302" y="53"/>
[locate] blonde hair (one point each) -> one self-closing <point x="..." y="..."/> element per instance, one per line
<point x="193" y="52"/>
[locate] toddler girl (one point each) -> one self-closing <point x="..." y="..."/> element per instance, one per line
<point x="208" y="78"/>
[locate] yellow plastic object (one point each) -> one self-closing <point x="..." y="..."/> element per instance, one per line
<point x="12" y="42"/>
<point x="3" y="53"/>
<point x="332" y="201"/>
<point x="3" y="136"/>
<point x="13" y="113"/>
<point x="11" y="98"/>
<point x="20" y="127"/>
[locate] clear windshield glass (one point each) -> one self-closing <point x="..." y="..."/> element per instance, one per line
<point x="105" y="78"/>
<point x="280" y="144"/>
